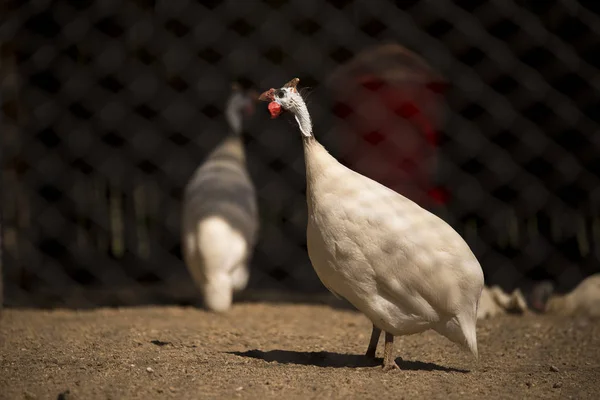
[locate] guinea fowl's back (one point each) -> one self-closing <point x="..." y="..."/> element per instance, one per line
<point x="220" y="217"/>
<point x="409" y="256"/>
<point x="222" y="187"/>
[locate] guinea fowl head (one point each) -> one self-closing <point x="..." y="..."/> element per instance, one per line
<point x="284" y="98"/>
<point x="239" y="105"/>
<point x="287" y="98"/>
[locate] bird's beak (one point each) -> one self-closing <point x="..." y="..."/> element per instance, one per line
<point x="269" y="95"/>
<point x="274" y="107"/>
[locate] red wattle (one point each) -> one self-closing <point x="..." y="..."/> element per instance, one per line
<point x="274" y="109"/>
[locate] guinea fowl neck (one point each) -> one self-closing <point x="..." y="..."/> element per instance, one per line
<point x="232" y="145"/>
<point x="233" y="115"/>
<point x="316" y="158"/>
<point x="302" y="117"/>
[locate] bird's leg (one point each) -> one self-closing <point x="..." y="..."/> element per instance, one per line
<point x="389" y="362"/>
<point x="373" y="343"/>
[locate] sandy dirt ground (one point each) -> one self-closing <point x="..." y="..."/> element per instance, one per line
<point x="283" y="351"/>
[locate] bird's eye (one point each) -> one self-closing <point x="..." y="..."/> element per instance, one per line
<point x="280" y="94"/>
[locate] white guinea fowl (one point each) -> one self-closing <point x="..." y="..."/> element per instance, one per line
<point x="220" y="217"/>
<point x="403" y="267"/>
<point x="584" y="300"/>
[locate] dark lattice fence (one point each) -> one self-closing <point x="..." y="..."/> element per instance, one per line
<point x="109" y="106"/>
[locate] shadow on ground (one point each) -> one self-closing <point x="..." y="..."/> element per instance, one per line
<point x="337" y="360"/>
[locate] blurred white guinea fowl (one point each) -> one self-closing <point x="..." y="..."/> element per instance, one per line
<point x="220" y="218"/>
<point x="584" y="300"/>
<point x="403" y="267"/>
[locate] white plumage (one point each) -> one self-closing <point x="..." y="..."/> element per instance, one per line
<point x="584" y="300"/>
<point x="403" y="267"/>
<point x="494" y="301"/>
<point x="220" y="217"/>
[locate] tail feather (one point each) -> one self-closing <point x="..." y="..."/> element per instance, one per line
<point x="468" y="326"/>
<point x="469" y="332"/>
<point x="462" y="331"/>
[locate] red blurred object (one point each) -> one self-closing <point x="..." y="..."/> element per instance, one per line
<point x="439" y="195"/>
<point x="390" y="104"/>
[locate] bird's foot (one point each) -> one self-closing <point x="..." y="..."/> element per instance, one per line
<point x="390" y="367"/>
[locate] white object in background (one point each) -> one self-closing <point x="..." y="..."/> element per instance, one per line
<point x="584" y="300"/>
<point x="220" y="217"/>
<point x="494" y="301"/>
<point x="406" y="269"/>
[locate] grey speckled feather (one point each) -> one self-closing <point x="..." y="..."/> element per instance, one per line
<point x="222" y="187"/>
